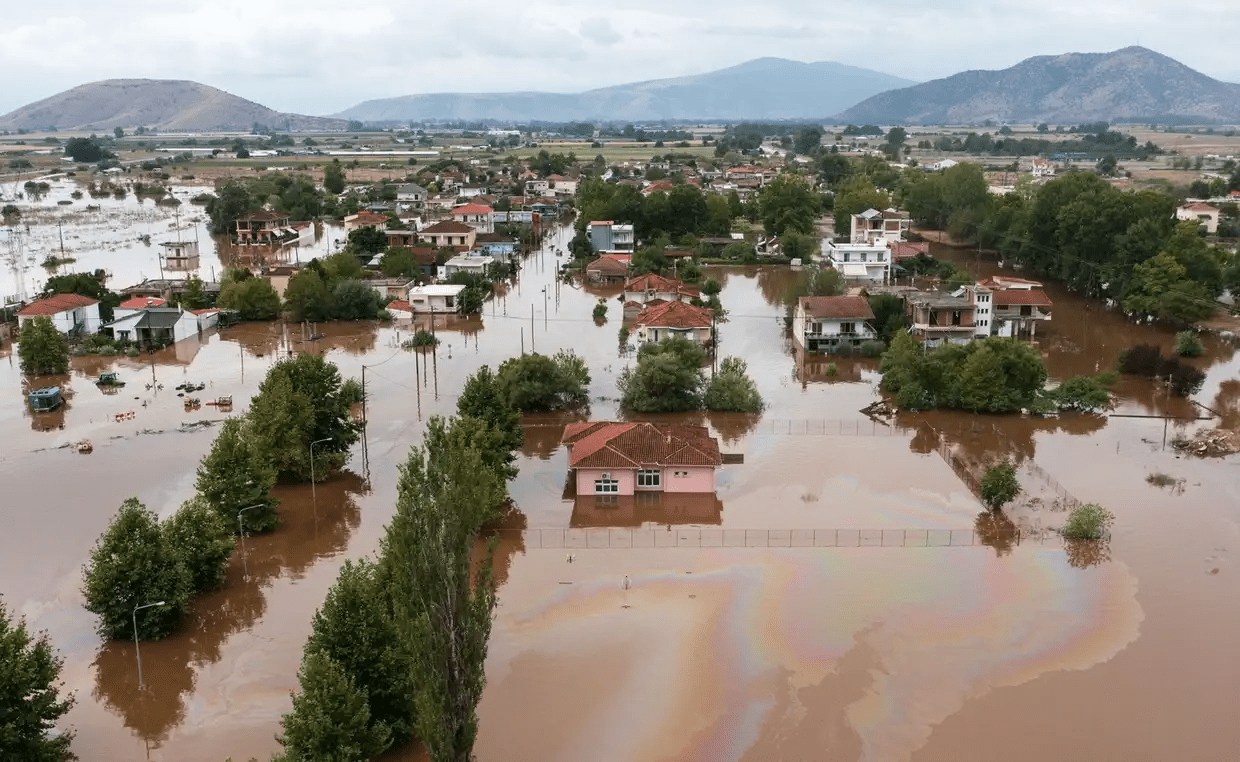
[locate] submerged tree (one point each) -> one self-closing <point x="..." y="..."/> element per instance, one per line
<point x="668" y="377"/>
<point x="43" y="350"/>
<point x="204" y="541"/>
<point x="30" y="701"/>
<point x="133" y="565"/>
<point x="330" y="721"/>
<point x="999" y="485"/>
<point x="732" y="390"/>
<point x="443" y="600"/>
<point x="234" y="476"/>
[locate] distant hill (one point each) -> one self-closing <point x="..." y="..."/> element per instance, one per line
<point x="765" y="88"/>
<point x="165" y="104"/>
<point x="1133" y="83"/>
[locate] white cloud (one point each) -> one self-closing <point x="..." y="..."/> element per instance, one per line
<point x="321" y="57"/>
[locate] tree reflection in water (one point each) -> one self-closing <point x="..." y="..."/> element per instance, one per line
<point x="1083" y="554"/>
<point x="996" y="530"/>
<point x="308" y="531"/>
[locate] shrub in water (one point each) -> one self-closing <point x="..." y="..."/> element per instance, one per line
<point x="1188" y="345"/>
<point x="1088" y="522"/>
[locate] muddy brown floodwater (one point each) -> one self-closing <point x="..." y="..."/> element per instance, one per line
<point x="842" y="596"/>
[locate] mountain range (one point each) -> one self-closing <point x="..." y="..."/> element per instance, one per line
<point x="164" y="104"/>
<point x="1131" y="84"/>
<point x="765" y="88"/>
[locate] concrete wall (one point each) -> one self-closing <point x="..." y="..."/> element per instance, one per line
<point x="695" y="479"/>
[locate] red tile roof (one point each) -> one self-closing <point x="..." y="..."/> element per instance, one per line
<point x="54" y="304"/>
<point x="262" y="216"/>
<point x="447" y="226"/>
<point x="1199" y="206"/>
<point x="400" y="305"/>
<point x="652" y="282"/>
<point x="1004" y="281"/>
<point x="472" y="209"/>
<point x="609" y="444"/>
<point x="1033" y="297"/>
<point x="206" y="311"/>
<point x="674" y="315"/>
<point x="607" y="264"/>
<point x="142" y="302"/>
<point x="837" y="307"/>
<point x="601" y="222"/>
<point x="908" y="250"/>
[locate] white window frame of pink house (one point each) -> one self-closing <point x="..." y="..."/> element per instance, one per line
<point x="649" y="473"/>
<point x="606" y="486"/>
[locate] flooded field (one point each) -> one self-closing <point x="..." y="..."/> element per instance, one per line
<point x="843" y="595"/>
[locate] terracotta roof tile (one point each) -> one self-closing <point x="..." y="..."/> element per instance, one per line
<point x="471" y="209"/>
<point x="1032" y="297"/>
<point x="608" y="444"/>
<point x="142" y="302"/>
<point x="837" y="307"/>
<point x="448" y="226"/>
<point x="56" y="303"/>
<point x="608" y="265"/>
<point x="674" y="315"/>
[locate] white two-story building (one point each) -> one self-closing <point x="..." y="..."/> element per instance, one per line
<point x="829" y="323"/>
<point x="864" y="262"/>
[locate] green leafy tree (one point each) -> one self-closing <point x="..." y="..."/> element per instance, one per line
<point x="398" y="261"/>
<point x="85" y="284"/>
<point x="330" y="720"/>
<point x="991" y="375"/>
<point x="789" y="204"/>
<point x="333" y="177"/>
<point x="999" y="485"/>
<point x="132" y="565"/>
<point x="235" y="475"/>
<point x="356" y="629"/>
<point x="1188" y="345"/>
<point x="853" y="196"/>
<point x="232" y="199"/>
<point x="204" y="541"/>
<point x="195" y="295"/>
<point x="307" y="297"/>
<point x="343" y="265"/>
<point x="86" y="150"/>
<point x="807" y="140"/>
<point x="443" y="597"/>
<point x="484" y="398"/>
<point x="890" y="316"/>
<point x="1161" y="287"/>
<point x="668" y="377"/>
<point x="354" y="300"/>
<point x="367" y="240"/>
<point x="537" y="382"/>
<point x="42" y="350"/>
<point x="252" y="298"/>
<point x="303" y="400"/>
<point x="732" y="390"/>
<point x="30" y="701"/>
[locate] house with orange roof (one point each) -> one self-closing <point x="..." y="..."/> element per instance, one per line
<point x="71" y="314"/>
<point x="477" y="216"/>
<point x="623" y="458"/>
<point x="1008" y="306"/>
<point x="665" y="320"/>
<point x="450" y="233"/>
<point x="608" y="269"/>
<point x="365" y="219"/>
<point x="647" y="288"/>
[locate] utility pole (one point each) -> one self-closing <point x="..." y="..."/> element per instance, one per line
<point x="531" y="329"/>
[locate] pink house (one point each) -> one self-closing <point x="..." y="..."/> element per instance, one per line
<point x="611" y="458"/>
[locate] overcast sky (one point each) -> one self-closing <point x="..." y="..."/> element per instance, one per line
<point x="319" y="57"/>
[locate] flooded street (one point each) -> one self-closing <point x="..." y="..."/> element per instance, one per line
<point x="842" y="596"/>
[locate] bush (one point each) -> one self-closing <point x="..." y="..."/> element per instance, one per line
<point x="624" y="335"/>
<point x="991" y="375"/>
<point x="537" y="382"/>
<point x="1089" y="521"/>
<point x="832" y="370"/>
<point x="422" y="339"/>
<point x="732" y="390"/>
<point x="600" y="311"/>
<point x="872" y="348"/>
<point x="1081" y="393"/>
<point x="1188" y="345"/>
<point x="668" y="377"/>
<point x="132" y="565"/>
<point x="1148" y="360"/>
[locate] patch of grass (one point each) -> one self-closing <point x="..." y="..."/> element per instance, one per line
<point x="1161" y="480"/>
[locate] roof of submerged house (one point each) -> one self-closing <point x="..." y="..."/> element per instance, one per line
<point x="610" y="444"/>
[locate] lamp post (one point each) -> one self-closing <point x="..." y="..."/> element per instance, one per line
<point x="314" y="494"/>
<point x="137" y="648"/>
<point x="545" y="305"/>
<point x="245" y="565"/>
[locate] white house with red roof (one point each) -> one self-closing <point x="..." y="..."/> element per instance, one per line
<point x="69" y="313"/>
<point x="451" y="234"/>
<point x="477" y="216"/>
<point x="612" y="458"/>
<point x="665" y="320"/>
<point x="829" y="323"/>
<point x="1200" y="212"/>
<point x="400" y="309"/>
<point x="137" y="304"/>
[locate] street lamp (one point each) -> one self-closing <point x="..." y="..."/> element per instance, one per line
<point x="314" y="494"/>
<point x="137" y="648"/>
<point x="545" y="306"/>
<point x="241" y="531"/>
